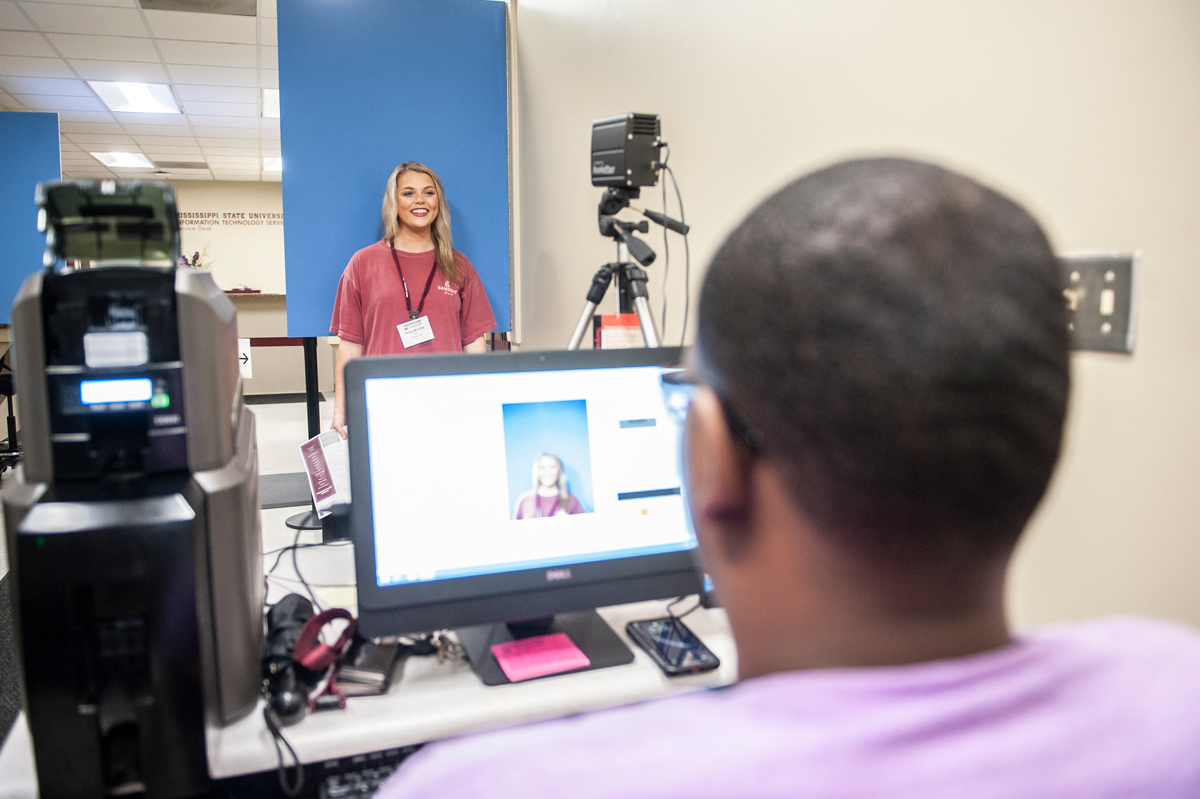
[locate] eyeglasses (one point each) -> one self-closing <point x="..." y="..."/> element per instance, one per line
<point x="679" y="387"/>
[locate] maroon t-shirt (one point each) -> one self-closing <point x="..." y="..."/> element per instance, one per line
<point x="532" y="505"/>
<point x="370" y="302"/>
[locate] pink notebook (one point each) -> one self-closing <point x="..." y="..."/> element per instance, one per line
<point x="539" y="656"/>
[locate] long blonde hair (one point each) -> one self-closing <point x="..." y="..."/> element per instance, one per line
<point x="443" y="242"/>
<point x="564" y="493"/>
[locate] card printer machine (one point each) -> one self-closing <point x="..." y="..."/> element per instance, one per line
<point x="133" y="525"/>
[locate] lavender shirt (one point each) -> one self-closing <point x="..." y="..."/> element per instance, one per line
<point x="1098" y="710"/>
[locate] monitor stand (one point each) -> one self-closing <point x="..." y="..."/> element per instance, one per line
<point x="586" y="630"/>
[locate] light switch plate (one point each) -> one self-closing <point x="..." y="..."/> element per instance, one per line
<point x="1101" y="296"/>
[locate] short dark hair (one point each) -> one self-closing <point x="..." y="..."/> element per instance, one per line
<point x="898" y="334"/>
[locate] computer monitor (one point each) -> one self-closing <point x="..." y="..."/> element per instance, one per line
<point x="509" y="487"/>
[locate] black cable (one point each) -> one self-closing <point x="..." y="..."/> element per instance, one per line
<point x="666" y="248"/>
<point x="312" y="585"/>
<point x="276" y="729"/>
<point x="687" y="258"/>
<point x="296" y="567"/>
<point x="687" y="612"/>
<point x="289" y="547"/>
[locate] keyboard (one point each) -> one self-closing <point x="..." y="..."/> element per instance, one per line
<point x="357" y="777"/>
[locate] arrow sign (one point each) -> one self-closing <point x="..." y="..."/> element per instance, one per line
<point x="244" y="365"/>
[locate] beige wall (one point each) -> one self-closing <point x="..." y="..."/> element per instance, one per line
<point x="247" y="250"/>
<point x="1086" y="111"/>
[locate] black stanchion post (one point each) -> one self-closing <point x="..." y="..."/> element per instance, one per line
<point x="312" y="393"/>
<point x="309" y="520"/>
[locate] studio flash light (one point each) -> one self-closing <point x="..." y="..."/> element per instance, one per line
<point x="625" y="150"/>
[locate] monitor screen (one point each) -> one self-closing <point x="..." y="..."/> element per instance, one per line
<point x="510" y="485"/>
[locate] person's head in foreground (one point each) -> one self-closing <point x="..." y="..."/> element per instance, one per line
<point x="883" y="366"/>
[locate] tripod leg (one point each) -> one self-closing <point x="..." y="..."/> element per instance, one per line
<point x="635" y="277"/>
<point x="581" y="327"/>
<point x="595" y="294"/>
<point x="646" y="320"/>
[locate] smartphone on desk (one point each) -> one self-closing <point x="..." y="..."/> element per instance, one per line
<point x="675" y="648"/>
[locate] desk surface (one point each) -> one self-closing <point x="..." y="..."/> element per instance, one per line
<point x="430" y="701"/>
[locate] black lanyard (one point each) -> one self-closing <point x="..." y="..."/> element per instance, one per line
<point x="403" y="282"/>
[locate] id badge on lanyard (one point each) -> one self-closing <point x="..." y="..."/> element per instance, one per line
<point x="417" y="329"/>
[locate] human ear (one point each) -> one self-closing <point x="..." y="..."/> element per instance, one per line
<point x="716" y="464"/>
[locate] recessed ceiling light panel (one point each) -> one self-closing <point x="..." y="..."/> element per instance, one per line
<point x="138" y="98"/>
<point x="270" y="103"/>
<point x="272" y="164"/>
<point x="124" y="160"/>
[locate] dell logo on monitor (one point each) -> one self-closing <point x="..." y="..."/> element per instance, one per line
<point x="557" y="574"/>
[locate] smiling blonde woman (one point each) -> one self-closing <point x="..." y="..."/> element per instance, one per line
<point x="410" y="292"/>
<point x="550" y="495"/>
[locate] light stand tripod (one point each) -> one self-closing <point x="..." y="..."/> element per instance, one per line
<point x="631" y="278"/>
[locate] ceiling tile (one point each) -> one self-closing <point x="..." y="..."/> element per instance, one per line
<point x="188" y="26"/>
<point x="160" y="154"/>
<point x="28" y="66"/>
<point x="272" y="177"/>
<point x="156" y="130"/>
<point x="266" y="8"/>
<point x="250" y="161"/>
<point x="23" y="43"/>
<point x="104" y="48"/>
<point x="11" y="18"/>
<point x="216" y="94"/>
<point x="40" y="102"/>
<point x="271" y="136"/>
<point x="136" y="174"/>
<point x="268" y="57"/>
<point x="222" y="151"/>
<point x="106" y="21"/>
<point x="189" y="175"/>
<point x="167" y="144"/>
<point x="214" y="76"/>
<point x="270" y="78"/>
<point x="210" y="54"/>
<point x="90" y="140"/>
<point x="174" y="120"/>
<point x="98" y="171"/>
<point x="49" y="86"/>
<point x="90" y="127"/>
<point x="65" y="147"/>
<point x="84" y="116"/>
<point x="237" y="176"/>
<point x="271" y="123"/>
<point x="120" y="70"/>
<point x="268" y="32"/>
<point x="208" y="141"/>
<point x="206" y="121"/>
<point x="184" y="139"/>
<point x="200" y="110"/>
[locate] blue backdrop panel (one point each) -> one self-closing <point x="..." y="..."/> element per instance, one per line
<point x="365" y="85"/>
<point x="28" y="156"/>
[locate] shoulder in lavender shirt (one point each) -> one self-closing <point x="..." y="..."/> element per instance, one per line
<point x="1100" y="710"/>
